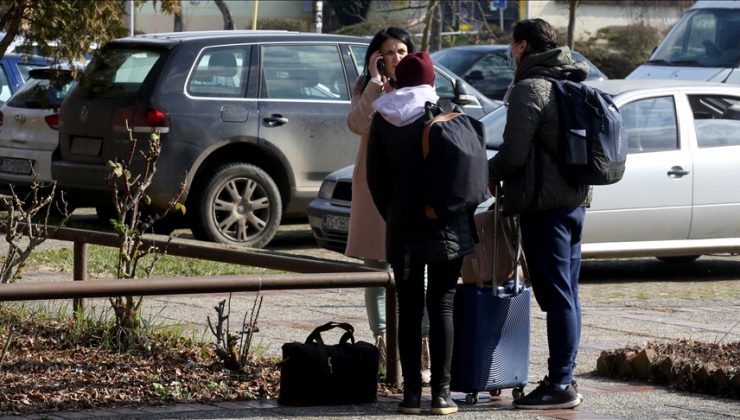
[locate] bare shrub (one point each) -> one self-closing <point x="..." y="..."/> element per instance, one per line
<point x="233" y="348"/>
<point x="134" y="218"/>
<point x="26" y="225"/>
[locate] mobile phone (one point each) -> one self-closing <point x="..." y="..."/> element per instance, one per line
<point x="381" y="66"/>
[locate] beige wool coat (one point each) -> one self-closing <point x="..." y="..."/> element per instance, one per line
<point x="366" y="238"/>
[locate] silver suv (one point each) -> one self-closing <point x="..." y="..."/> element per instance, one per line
<point x="252" y="120"/>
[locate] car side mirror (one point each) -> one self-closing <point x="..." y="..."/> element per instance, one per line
<point x="474" y="75"/>
<point x="462" y="95"/>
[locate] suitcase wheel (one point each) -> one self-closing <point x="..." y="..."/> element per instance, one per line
<point x="517" y="392"/>
<point x="471" y="398"/>
<point x="495" y="393"/>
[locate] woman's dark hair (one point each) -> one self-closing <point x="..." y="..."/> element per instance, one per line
<point x="390" y="32"/>
<point x="540" y="35"/>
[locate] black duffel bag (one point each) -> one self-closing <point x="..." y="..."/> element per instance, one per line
<point x="313" y="373"/>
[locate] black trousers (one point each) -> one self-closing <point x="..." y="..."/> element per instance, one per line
<point x="440" y="299"/>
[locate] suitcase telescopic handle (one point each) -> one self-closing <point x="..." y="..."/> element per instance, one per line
<point x="497" y="212"/>
<point x="518" y="259"/>
<point x="496" y="215"/>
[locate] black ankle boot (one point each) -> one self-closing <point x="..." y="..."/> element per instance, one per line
<point x="411" y="403"/>
<point x="442" y="402"/>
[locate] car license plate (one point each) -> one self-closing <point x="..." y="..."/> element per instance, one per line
<point x="85" y="146"/>
<point x="336" y="223"/>
<point x="15" y="166"/>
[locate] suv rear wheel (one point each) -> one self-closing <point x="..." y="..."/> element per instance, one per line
<point x="240" y="203"/>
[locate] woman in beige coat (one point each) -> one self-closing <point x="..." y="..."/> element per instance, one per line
<point x="366" y="227"/>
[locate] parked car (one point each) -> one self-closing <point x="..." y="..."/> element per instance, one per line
<point x="489" y="69"/>
<point x="29" y="124"/>
<point x="703" y="45"/>
<point x="14" y="70"/>
<point x="251" y="120"/>
<point x="676" y="200"/>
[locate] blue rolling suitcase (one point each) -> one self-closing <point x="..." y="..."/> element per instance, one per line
<point x="492" y="325"/>
<point x="491" y="350"/>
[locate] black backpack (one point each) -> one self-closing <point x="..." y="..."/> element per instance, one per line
<point x="455" y="162"/>
<point x="594" y="140"/>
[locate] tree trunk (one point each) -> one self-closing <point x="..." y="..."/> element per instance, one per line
<point x="428" y="19"/>
<point x="178" y="18"/>
<point x="228" y="21"/>
<point x="572" y="22"/>
<point x="436" y="43"/>
<point x="11" y="22"/>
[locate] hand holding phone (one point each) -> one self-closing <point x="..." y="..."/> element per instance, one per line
<point x="376" y="65"/>
<point x="381" y="66"/>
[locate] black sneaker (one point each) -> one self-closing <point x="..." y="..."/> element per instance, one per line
<point x="547" y="396"/>
<point x="442" y="403"/>
<point x="411" y="403"/>
<point x="575" y="386"/>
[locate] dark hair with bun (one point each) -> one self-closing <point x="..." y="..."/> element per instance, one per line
<point x="540" y="35"/>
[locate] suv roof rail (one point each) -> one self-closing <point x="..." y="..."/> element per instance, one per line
<point x="188" y="34"/>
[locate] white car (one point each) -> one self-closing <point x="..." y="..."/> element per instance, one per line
<point x="679" y="197"/>
<point x="29" y="124"/>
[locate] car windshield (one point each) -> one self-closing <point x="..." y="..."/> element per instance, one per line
<point x="118" y="72"/>
<point x="456" y="60"/>
<point x="702" y="38"/>
<point x="42" y="93"/>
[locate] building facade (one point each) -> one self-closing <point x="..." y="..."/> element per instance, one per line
<point x="202" y="15"/>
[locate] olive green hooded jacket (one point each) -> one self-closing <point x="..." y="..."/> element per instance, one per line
<point x="527" y="161"/>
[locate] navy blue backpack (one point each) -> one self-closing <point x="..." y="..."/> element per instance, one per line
<point x="455" y="162"/>
<point x="594" y="140"/>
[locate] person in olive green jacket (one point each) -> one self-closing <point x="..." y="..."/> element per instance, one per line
<point x="551" y="208"/>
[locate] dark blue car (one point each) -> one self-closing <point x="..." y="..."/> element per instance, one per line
<point x="489" y="69"/>
<point x="14" y="70"/>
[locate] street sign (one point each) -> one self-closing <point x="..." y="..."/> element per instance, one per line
<point x="498" y="4"/>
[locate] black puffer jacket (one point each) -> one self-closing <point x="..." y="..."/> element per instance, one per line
<point x="527" y="160"/>
<point x="394" y="168"/>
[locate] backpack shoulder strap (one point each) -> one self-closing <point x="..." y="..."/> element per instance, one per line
<point x="425" y="137"/>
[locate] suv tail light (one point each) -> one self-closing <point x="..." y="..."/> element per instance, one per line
<point x="53" y="121"/>
<point x="156" y="118"/>
<point x="140" y="119"/>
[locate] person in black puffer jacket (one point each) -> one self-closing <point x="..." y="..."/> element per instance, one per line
<point x="551" y="208"/>
<point x="394" y="168"/>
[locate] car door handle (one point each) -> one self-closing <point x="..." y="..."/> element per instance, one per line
<point x="275" y="120"/>
<point x="677" y="172"/>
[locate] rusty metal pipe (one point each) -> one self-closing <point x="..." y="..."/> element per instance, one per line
<point x="191" y="285"/>
<point x="79" y="272"/>
<point x="219" y="252"/>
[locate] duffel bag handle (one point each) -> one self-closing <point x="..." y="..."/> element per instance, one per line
<point x="315" y="336"/>
<point x="347" y="336"/>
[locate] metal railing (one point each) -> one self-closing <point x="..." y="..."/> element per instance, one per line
<point x="315" y="273"/>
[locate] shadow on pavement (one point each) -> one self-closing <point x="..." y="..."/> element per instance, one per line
<point x="708" y="268"/>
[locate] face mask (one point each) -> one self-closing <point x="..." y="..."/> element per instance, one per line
<point x="512" y="61"/>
